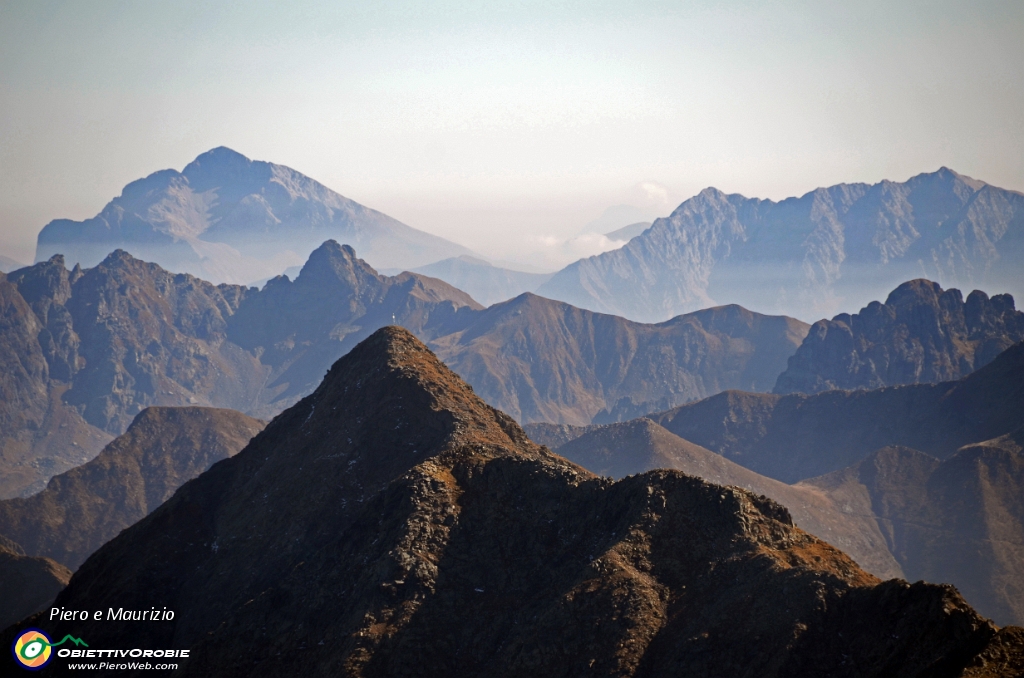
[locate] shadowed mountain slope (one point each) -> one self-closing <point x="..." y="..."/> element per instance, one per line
<point x="85" y="507"/>
<point x="638" y="446"/>
<point x="920" y="335"/>
<point x="227" y="218"/>
<point x="392" y="523"/>
<point x="834" y="246"/>
<point x="959" y="520"/>
<point x="794" y="437"/>
<point x="29" y="584"/>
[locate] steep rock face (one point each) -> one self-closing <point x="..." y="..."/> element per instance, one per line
<point x="392" y="523"/>
<point x="959" y="520"/>
<point x="542" y="360"/>
<point x="29" y="584"/>
<point x="638" y="446"/>
<point x="150" y="337"/>
<point x="794" y="437"/>
<point x="842" y="244"/>
<point x="85" y="507"/>
<point x="231" y="219"/>
<point x="921" y="334"/>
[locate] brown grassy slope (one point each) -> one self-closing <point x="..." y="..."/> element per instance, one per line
<point x="794" y="437"/>
<point x="29" y="584"/>
<point x="393" y="524"/>
<point x="85" y="507"/>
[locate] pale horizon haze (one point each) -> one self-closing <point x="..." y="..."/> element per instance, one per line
<point x="506" y="127"/>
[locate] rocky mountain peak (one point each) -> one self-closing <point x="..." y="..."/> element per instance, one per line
<point x="921" y="334"/>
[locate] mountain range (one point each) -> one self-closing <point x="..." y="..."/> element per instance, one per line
<point x="795" y="437"/>
<point x="392" y="523"/>
<point x="807" y="256"/>
<point x="227" y="218"/>
<point x="90" y="348"/>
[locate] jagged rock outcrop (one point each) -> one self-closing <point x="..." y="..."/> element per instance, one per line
<point x="82" y="509"/>
<point x="796" y="436"/>
<point x="921" y="334"/>
<point x="807" y="256"/>
<point x="227" y="218"/>
<point x="959" y="520"/>
<point x="29" y="584"/>
<point x="392" y="523"/>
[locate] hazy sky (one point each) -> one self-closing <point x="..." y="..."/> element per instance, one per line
<point x="504" y="126"/>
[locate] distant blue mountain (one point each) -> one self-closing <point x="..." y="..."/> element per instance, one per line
<point x="231" y="219"/>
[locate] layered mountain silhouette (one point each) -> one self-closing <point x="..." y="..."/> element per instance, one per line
<point x="898" y="513"/>
<point x="959" y="520"/>
<point x="920" y="334"/>
<point x="85" y="507"/>
<point x="89" y="349"/>
<point x="227" y="218"/>
<point x="807" y="256"/>
<point x="29" y="584"/>
<point x="795" y="437"/>
<point x="392" y="523"/>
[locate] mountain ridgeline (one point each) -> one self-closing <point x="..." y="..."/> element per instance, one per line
<point x="807" y="256"/>
<point x="392" y="523"/>
<point x="899" y="512"/>
<point x="91" y="348"/>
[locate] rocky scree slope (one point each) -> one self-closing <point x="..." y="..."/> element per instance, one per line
<point x="921" y="334"/>
<point x="392" y="523"/>
<point x="85" y="507"/>
<point x="796" y="436"/>
<point x="838" y="245"/>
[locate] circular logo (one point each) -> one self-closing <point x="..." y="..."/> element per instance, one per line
<point x="32" y="649"/>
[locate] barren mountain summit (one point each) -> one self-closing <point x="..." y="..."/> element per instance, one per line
<point x="391" y="523"/>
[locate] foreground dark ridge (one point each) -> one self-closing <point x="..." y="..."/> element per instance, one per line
<point x="391" y="523"/>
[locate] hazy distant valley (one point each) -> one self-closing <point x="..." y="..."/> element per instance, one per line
<point x="641" y="464"/>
